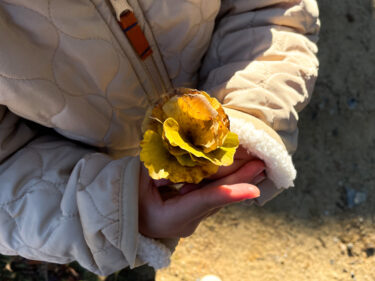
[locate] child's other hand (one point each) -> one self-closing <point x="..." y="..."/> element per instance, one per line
<point x="180" y="215"/>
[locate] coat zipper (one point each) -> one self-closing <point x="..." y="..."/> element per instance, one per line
<point x="129" y="24"/>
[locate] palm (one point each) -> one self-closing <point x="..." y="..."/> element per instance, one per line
<point x="179" y="215"/>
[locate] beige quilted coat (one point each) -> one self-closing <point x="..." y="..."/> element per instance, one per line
<point x="73" y="94"/>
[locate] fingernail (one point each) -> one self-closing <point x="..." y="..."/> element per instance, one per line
<point x="240" y="191"/>
<point x="254" y="192"/>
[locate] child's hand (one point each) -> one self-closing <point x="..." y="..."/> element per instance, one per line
<point x="240" y="158"/>
<point x="180" y="215"/>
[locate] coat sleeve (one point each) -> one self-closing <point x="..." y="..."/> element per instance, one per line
<point x="61" y="201"/>
<point x="262" y="65"/>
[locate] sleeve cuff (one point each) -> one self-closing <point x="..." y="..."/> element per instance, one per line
<point x="155" y="253"/>
<point x="137" y="248"/>
<point x="263" y="142"/>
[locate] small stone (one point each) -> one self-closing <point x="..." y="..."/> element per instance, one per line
<point x="352" y="103"/>
<point x="360" y="197"/>
<point x="354" y="197"/>
<point x="343" y="248"/>
<point x="210" y="278"/>
<point x="350" y="17"/>
<point x="350" y="249"/>
<point x="370" y="252"/>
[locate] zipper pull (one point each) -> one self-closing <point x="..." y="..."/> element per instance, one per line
<point x="120" y="6"/>
<point x="135" y="35"/>
<point x="129" y="25"/>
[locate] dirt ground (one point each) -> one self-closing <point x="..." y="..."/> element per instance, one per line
<point x="323" y="228"/>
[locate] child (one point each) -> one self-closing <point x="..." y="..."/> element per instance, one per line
<point x="75" y="85"/>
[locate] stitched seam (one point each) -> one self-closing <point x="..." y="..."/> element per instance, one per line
<point x="40" y="160"/>
<point x="54" y="57"/>
<point x="72" y="36"/>
<point x="55" y="82"/>
<point x="28" y="190"/>
<point x="25" y="79"/>
<point x="120" y="213"/>
<point x="35" y="145"/>
<point x="88" y="158"/>
<point x="96" y="208"/>
<point x="54" y="73"/>
<point x="14" y="223"/>
<point x="115" y="75"/>
<point x="53" y="63"/>
<point x="123" y="53"/>
<point x="24" y="244"/>
<point x="26" y="8"/>
<point x="54" y="184"/>
<point x="52" y="230"/>
<point x="47" y="80"/>
<point x="20" y="6"/>
<point x="54" y="53"/>
<point x="152" y="82"/>
<point x="105" y="248"/>
<point x="85" y="39"/>
<point x="147" y="28"/>
<point x="17" y="198"/>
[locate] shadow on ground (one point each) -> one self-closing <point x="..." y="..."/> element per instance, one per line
<point x="335" y="159"/>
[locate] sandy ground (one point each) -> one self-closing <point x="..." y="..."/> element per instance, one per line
<point x="323" y="229"/>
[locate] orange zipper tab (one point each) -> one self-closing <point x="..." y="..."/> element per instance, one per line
<point x="135" y="35"/>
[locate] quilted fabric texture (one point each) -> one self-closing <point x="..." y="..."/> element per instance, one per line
<point x="80" y="64"/>
<point x="67" y="66"/>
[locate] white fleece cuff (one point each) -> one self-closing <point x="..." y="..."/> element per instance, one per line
<point x="153" y="252"/>
<point x="279" y="166"/>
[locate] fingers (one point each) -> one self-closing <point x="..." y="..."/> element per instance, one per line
<point x="227" y="170"/>
<point x="232" y="188"/>
<point x="225" y="194"/>
<point x="180" y="215"/>
<point x="245" y="174"/>
<point x="240" y="158"/>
